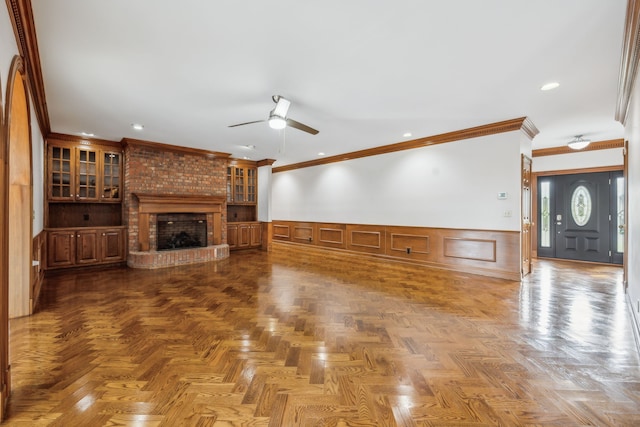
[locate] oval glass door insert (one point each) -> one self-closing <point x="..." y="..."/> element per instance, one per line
<point x="581" y="206"/>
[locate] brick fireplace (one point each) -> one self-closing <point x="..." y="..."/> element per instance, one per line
<point x="170" y="182"/>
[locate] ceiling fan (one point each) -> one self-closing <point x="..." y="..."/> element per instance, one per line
<point x="278" y="117"/>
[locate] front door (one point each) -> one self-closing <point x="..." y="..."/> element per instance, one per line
<point x="579" y="216"/>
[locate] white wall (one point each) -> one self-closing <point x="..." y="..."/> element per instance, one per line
<point x="264" y="193"/>
<point x="452" y="185"/>
<point x="632" y="134"/>
<point x="578" y="160"/>
<point x="37" y="153"/>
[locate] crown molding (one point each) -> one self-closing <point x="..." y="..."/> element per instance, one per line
<point x="599" y="145"/>
<point x="265" y="162"/>
<point x="84" y="140"/>
<point x="522" y="123"/>
<point x="629" y="60"/>
<point x="21" y="16"/>
<point x="158" y="146"/>
<point x="529" y="128"/>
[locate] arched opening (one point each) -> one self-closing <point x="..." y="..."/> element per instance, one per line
<point x="15" y="216"/>
<point x="20" y="204"/>
<point x="4" y="277"/>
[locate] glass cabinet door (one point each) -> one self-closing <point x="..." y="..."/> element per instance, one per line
<point x="60" y="176"/>
<point x="229" y="186"/>
<point x="251" y="185"/>
<point x="111" y="176"/>
<point x="87" y="174"/>
<point x="239" y="183"/>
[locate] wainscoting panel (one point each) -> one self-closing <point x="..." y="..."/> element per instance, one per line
<point x="475" y="249"/>
<point x="366" y="238"/>
<point x="281" y="231"/>
<point x="303" y="233"/>
<point x="486" y="252"/>
<point x="331" y="235"/>
<point x="37" y="269"/>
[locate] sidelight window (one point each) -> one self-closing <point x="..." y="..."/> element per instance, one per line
<point x="620" y="214"/>
<point x="545" y="214"/>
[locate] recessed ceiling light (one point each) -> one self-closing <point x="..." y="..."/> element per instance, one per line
<point x="550" y="86"/>
<point x="321" y="154"/>
<point x="88" y="134"/>
<point x="406" y="134"/>
<point x="137" y="126"/>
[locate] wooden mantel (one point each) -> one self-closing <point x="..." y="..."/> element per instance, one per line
<point x="178" y="203"/>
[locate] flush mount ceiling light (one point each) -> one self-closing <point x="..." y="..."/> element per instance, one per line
<point x="137" y="126"/>
<point x="549" y="86"/>
<point x="406" y="134"/>
<point x="578" y="143"/>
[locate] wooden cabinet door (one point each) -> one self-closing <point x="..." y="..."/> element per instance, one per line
<point x="256" y="235"/>
<point x="232" y="235"/>
<point x="239" y="185"/>
<point x="251" y="188"/>
<point x="61" y="248"/>
<point x="112" y="245"/>
<point x="61" y="173"/>
<point x="111" y="180"/>
<point x="87" y="246"/>
<point x="87" y="168"/>
<point x="242" y="185"/>
<point x="244" y="235"/>
<point x="229" y="184"/>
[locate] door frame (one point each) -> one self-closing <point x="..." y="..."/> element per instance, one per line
<point x="526" y="251"/>
<point x="625" y="255"/>
<point x="534" y="196"/>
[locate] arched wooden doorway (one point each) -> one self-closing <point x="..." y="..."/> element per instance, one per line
<point x="4" y="277"/>
<point x="20" y="205"/>
<point x="15" y="216"/>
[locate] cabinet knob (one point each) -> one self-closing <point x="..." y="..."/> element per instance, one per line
<point x="71" y="235"/>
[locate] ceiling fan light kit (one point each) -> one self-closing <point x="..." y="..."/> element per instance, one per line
<point x="578" y="143"/>
<point x="277" y="122"/>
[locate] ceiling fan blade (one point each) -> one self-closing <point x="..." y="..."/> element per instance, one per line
<point x="302" y="127"/>
<point x="247" y="123"/>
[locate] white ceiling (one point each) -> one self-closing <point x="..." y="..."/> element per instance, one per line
<point x="362" y="72"/>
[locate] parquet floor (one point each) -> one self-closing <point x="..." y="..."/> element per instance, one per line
<point x="301" y="338"/>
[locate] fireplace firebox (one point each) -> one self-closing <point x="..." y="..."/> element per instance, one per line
<point x="181" y="231"/>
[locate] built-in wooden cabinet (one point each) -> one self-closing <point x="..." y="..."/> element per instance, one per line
<point x="242" y="184"/>
<point x="243" y="231"/>
<point x="83" y="173"/>
<point x="244" y="235"/>
<point x="83" y="215"/>
<point x="71" y="247"/>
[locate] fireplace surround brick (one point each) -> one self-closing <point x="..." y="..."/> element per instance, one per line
<point x="154" y="168"/>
